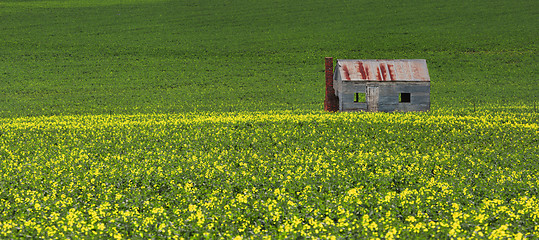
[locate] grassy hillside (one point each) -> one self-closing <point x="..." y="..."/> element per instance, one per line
<point x="78" y="57"/>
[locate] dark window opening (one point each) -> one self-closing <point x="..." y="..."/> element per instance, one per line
<point x="404" y="97"/>
<point x="359" y="97"/>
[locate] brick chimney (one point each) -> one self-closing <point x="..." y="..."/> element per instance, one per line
<point x="331" y="103"/>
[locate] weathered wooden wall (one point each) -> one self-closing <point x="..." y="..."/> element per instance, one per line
<point x="386" y="93"/>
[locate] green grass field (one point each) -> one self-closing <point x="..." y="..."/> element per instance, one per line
<point x="203" y="119"/>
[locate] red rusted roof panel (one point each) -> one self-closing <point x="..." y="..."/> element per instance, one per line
<point x="411" y="70"/>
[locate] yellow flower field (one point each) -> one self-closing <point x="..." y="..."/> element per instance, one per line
<point x="271" y="175"/>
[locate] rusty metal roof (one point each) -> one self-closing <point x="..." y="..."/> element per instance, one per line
<point x="410" y="70"/>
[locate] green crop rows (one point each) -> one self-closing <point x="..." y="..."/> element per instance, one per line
<point x="146" y="119"/>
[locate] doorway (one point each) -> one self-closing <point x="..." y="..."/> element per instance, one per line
<point x="372" y="98"/>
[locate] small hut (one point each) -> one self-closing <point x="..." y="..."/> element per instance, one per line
<point x="382" y="85"/>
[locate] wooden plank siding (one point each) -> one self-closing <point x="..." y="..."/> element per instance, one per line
<point x="387" y="98"/>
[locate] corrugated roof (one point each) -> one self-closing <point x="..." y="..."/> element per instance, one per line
<point x="411" y="70"/>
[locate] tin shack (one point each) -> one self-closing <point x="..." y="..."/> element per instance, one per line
<point x="382" y="85"/>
